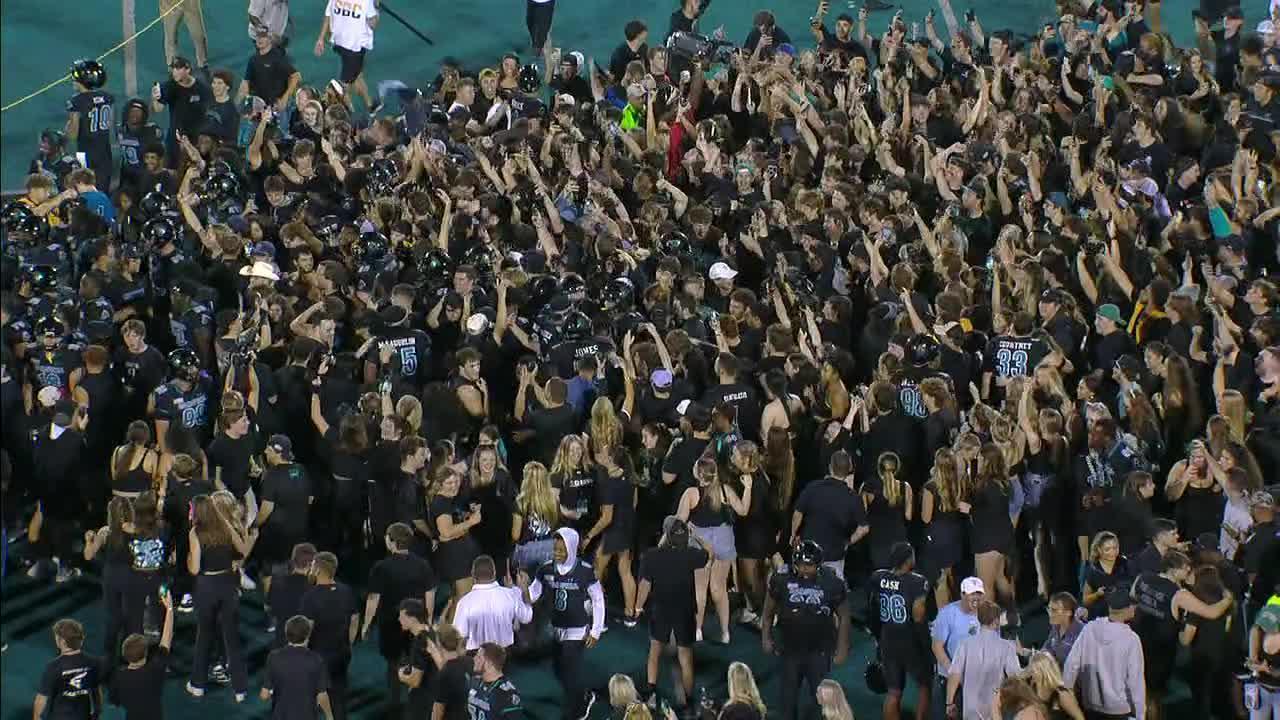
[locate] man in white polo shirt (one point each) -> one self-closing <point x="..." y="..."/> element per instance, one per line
<point x="349" y="24"/>
<point x="489" y="612"/>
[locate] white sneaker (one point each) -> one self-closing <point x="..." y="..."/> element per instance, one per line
<point x="748" y="617"/>
<point x="246" y="583"/>
<point x="239" y="697"/>
<point x="194" y="691"/>
<point x="187" y="604"/>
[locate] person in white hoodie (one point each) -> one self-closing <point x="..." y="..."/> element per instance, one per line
<point x="1105" y="665"/>
<point x="577" y="617"/>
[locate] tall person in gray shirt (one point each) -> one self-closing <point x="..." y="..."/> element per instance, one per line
<point x="981" y="664"/>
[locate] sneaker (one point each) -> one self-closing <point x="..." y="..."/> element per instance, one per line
<point x="194" y="691"/>
<point x="218" y="674"/>
<point x="629" y="621"/>
<point x="271" y="626"/>
<point x="187" y="604"/>
<point x="246" y="583"/>
<point x="590" y="703"/>
<point x="66" y="574"/>
<point x="748" y="617"/>
<point x="35" y="572"/>
<point x="239" y="697"/>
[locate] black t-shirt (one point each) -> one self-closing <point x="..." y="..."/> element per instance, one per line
<point x="806" y="608"/>
<point x="832" y="511"/>
<point x="72" y="683"/>
<point x="895" y="595"/>
<point x="680" y="461"/>
<point x="231" y="455"/>
<point x="295" y="676"/>
<point x="140" y="691"/>
<point x="618" y="492"/>
<point x="550" y="425"/>
<point x="187" y="105"/>
<point x="744" y="399"/>
<point x="396" y="578"/>
<point x="268" y="74"/>
<point x="330" y="607"/>
<point x="420" y="698"/>
<point x="288" y="486"/>
<point x="669" y="571"/>
<point x="577" y="490"/>
<point x="285" y="598"/>
<point x="622" y="56"/>
<point x="451" y="688"/>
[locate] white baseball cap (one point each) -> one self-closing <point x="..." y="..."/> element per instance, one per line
<point x="683" y="406"/>
<point x="722" y="271"/>
<point x="972" y="585"/>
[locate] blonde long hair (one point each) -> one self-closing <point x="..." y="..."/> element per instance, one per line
<point x="622" y="691"/>
<point x="1043" y="673"/>
<point x="832" y="701"/>
<point x="604" y="427"/>
<point x="536" y="496"/>
<point x="949" y="484"/>
<point x="1234" y="408"/>
<point x="742" y="686"/>
<point x="561" y="464"/>
<point x="409" y="409"/>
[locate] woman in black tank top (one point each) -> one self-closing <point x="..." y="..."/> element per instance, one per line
<point x="112" y="540"/>
<point x="216" y="543"/>
<point x="709" y="508"/>
<point x="134" y="464"/>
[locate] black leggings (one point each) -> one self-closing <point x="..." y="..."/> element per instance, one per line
<point x="811" y="667"/>
<point x="537" y="17"/>
<point x="217" y="601"/>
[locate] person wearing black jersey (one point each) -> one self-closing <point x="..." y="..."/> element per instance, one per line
<point x="295" y="681"/>
<point x="1162" y="604"/>
<point x="744" y="398"/>
<point x="215" y="544"/>
<point x="1016" y="355"/>
<point x="897" y="599"/>
<point x="335" y="618"/>
<point x="135" y="134"/>
<point x="492" y="696"/>
<point x="138" y="686"/>
<point x="71" y="685"/>
<point x="52" y="364"/>
<point x="576" y="610"/>
<point x="399" y="577"/>
<point x="409" y="349"/>
<point x="89" y="119"/>
<point x="805" y="603"/>
<point x="185" y="399"/>
<point x="923" y="353"/>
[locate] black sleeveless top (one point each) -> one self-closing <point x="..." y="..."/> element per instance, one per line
<point x="135" y="479"/>
<point x="216" y="558"/>
<point x="705" y="516"/>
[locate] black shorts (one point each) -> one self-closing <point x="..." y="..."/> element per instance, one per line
<point x="352" y="64"/>
<point x="898" y="669"/>
<point x="664" y="623"/>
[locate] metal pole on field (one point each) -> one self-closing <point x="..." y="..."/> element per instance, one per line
<point x="129" y="23"/>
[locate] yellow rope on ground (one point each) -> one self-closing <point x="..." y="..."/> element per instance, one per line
<point x="66" y="77"/>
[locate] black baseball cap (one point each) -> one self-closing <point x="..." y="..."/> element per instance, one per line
<point x="281" y="444"/>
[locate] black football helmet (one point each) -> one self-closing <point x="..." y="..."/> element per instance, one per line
<point x="435" y="267"/>
<point x="89" y="73"/>
<point x="41" y="278"/>
<point x="808" y="552"/>
<point x="327" y="229"/>
<point x="158" y="232"/>
<point x="677" y="243"/>
<point x="618" y="295"/>
<point x="530" y="80"/>
<point x="921" y="350"/>
<point x="372" y="248"/>
<point x="29" y="226"/>
<point x="574" y="287"/>
<point x="185" y="364"/>
<point x="12" y="212"/>
<point x="49" y="327"/>
<point x="156" y="203"/>
<point x="222" y="186"/>
<point x="577" y="326"/>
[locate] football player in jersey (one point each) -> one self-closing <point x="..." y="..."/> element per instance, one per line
<point x="576" y="602"/>
<point x="808" y="602"/>
<point x="901" y="629"/>
<point x="54" y="361"/>
<point x="922" y="355"/>
<point x="491" y="695"/>
<point x="135" y="135"/>
<point x="89" y="119"/>
<point x="1015" y="354"/>
<point x="191" y="320"/>
<point x="52" y="161"/>
<point x="184" y="399"/>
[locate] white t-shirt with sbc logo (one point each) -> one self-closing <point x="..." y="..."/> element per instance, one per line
<point x="349" y="23"/>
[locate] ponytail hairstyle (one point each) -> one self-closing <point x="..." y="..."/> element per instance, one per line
<point x="138" y="438"/>
<point x="707" y="473"/>
<point x="949" y="483"/>
<point x="409" y="409"/>
<point x="119" y="514"/>
<point x="887" y="467"/>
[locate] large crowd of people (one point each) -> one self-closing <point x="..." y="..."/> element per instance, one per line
<point x="924" y="329"/>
